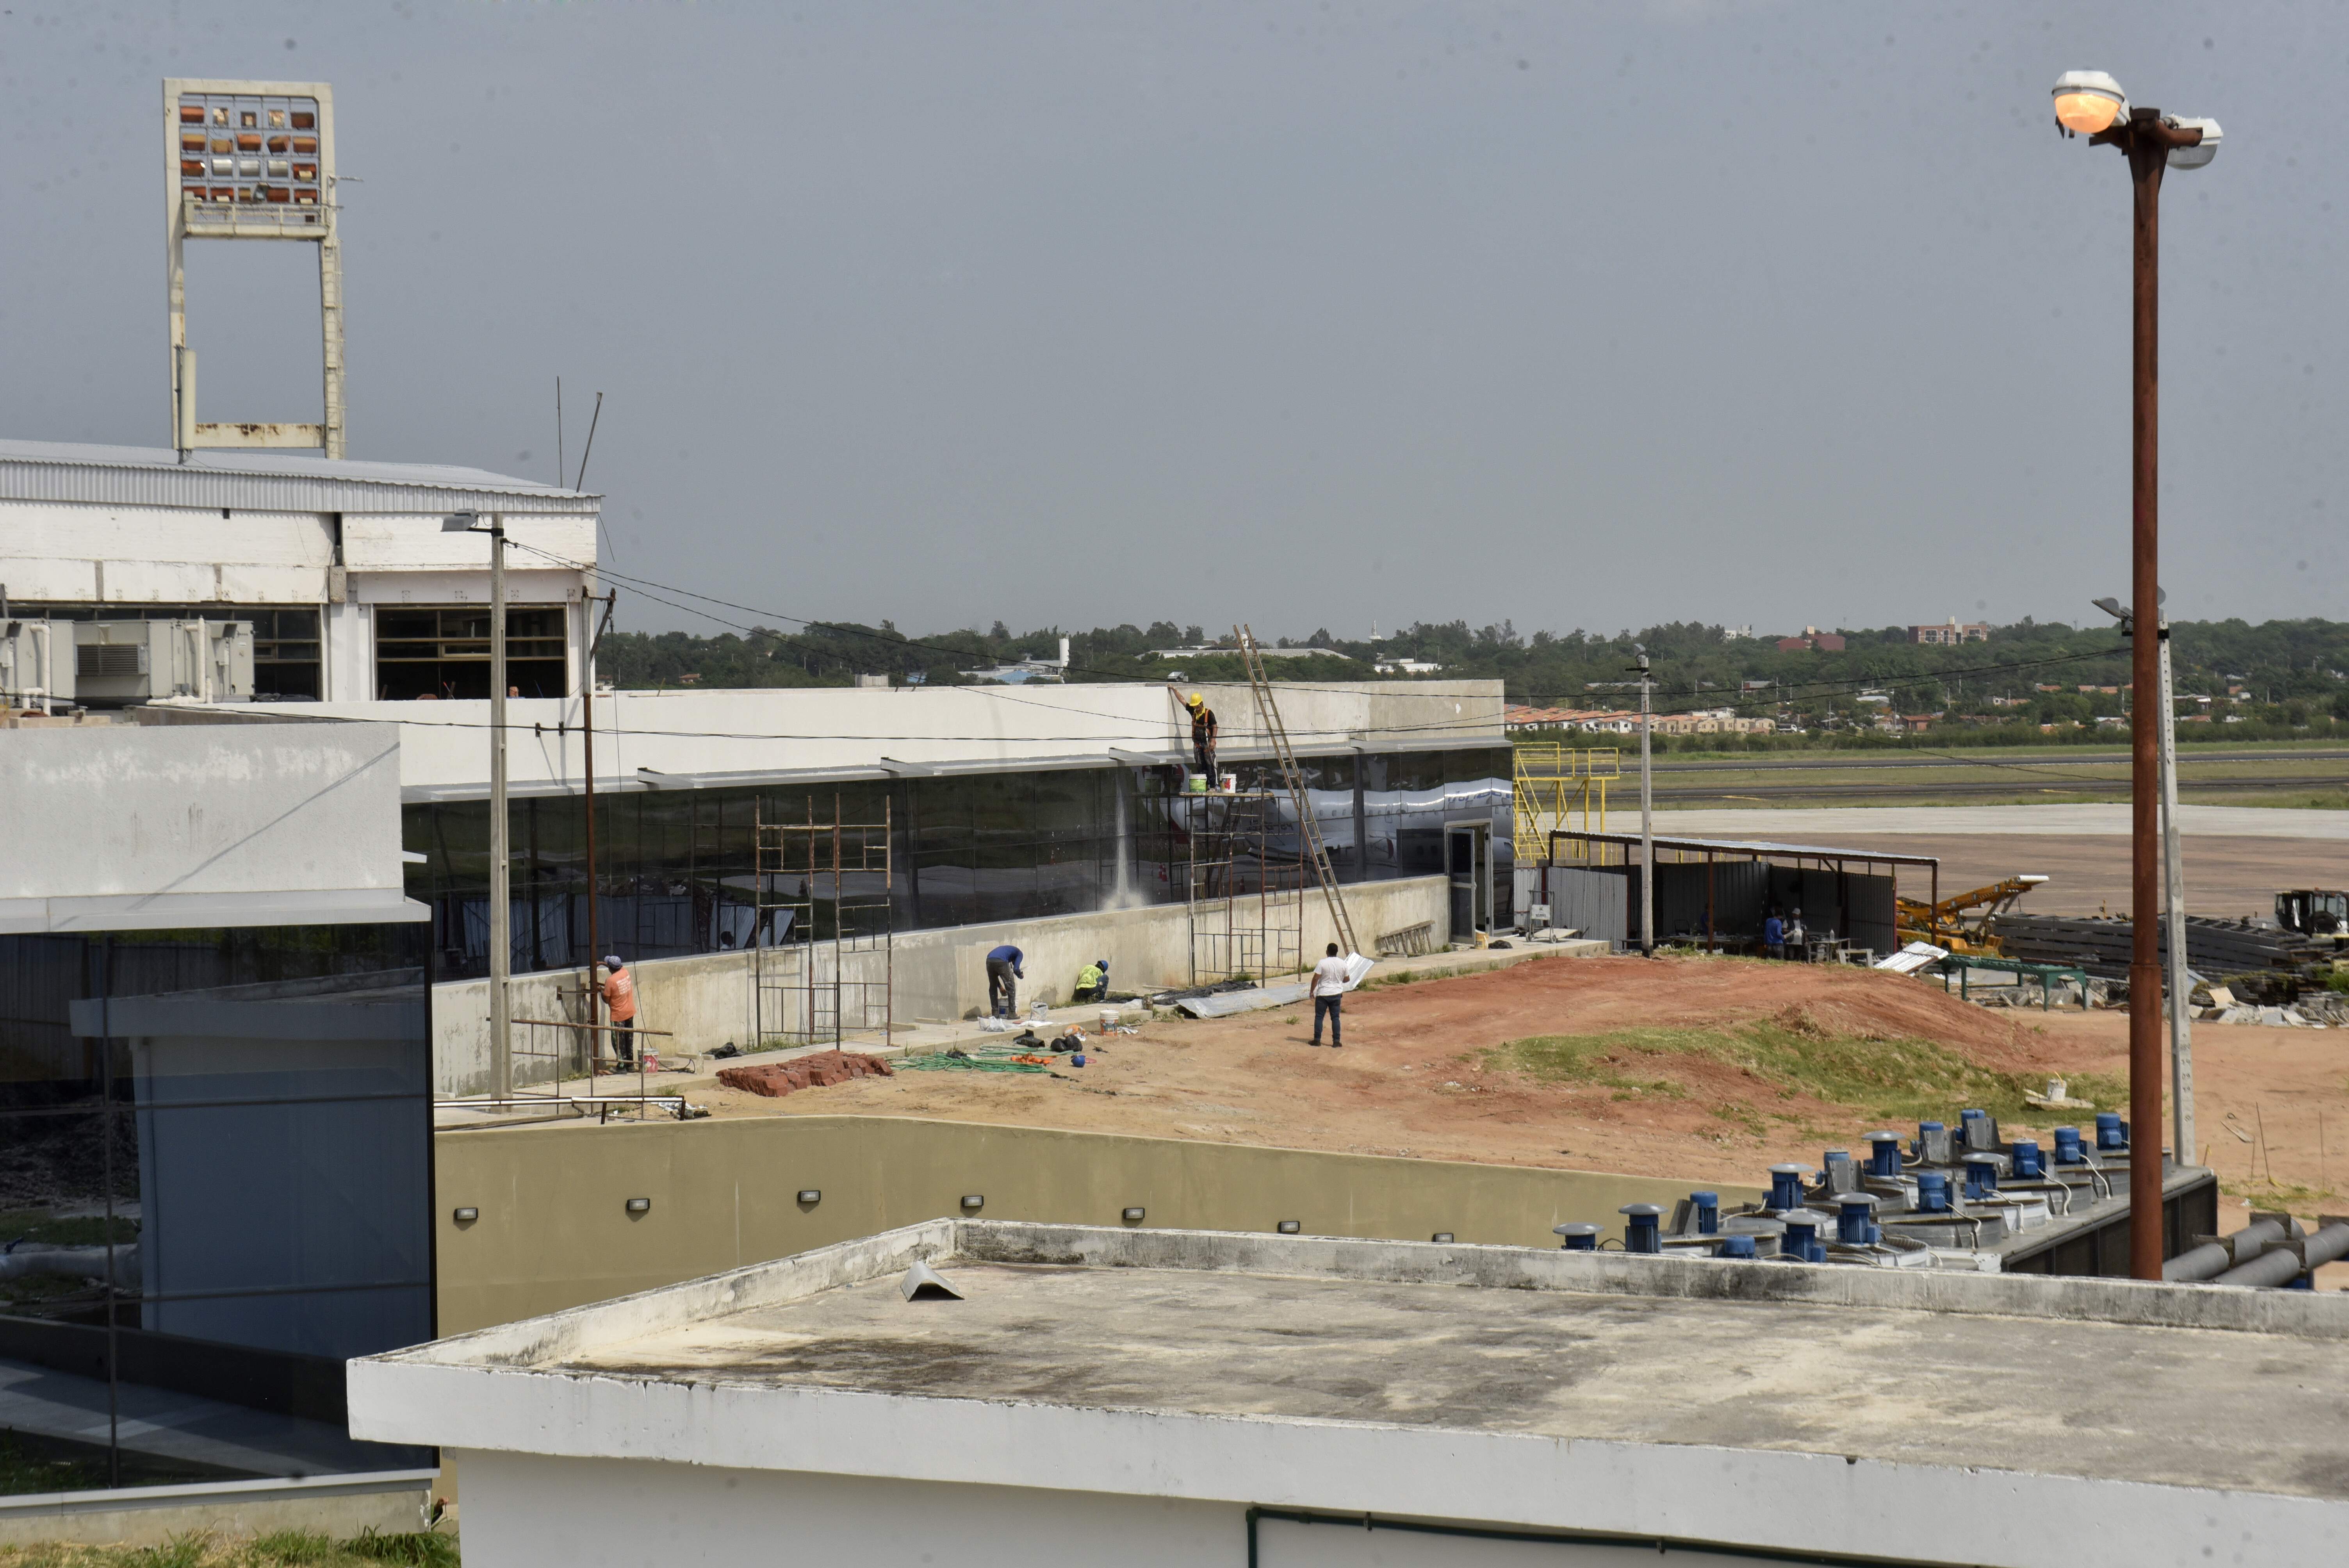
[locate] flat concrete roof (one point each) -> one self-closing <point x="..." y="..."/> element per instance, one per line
<point x="1151" y="1353"/>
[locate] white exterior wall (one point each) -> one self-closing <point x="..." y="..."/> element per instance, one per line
<point x="688" y="733"/>
<point x="80" y="554"/>
<point x="145" y="828"/>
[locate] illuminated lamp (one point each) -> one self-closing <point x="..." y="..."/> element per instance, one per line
<point x="2087" y="102"/>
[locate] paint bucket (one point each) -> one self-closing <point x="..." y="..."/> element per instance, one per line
<point x="1229" y="783"/>
<point x="1195" y="783"/>
<point x="1108" y="1019"/>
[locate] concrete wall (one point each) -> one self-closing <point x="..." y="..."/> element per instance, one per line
<point x="125" y="827"/>
<point x="707" y="1001"/>
<point x="554" y="1231"/>
<point x="700" y="732"/>
<point x="152" y="1515"/>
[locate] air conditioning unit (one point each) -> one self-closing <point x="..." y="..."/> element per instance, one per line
<point x="117" y="662"/>
<point x="36" y="665"/>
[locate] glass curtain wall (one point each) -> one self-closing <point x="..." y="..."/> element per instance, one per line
<point x="215" y="1187"/>
<point x="676" y="869"/>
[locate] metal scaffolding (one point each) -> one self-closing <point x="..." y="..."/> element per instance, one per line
<point x="820" y="949"/>
<point x="1245" y="897"/>
<point x="1556" y="784"/>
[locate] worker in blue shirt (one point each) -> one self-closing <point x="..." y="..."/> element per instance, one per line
<point x="1773" y="936"/>
<point x="1003" y="968"/>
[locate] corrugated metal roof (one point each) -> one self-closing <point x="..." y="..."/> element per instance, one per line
<point x="264" y="481"/>
<point x="1757" y="847"/>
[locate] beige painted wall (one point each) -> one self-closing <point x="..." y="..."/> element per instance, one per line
<point x="555" y="1232"/>
<point x="706" y="1001"/>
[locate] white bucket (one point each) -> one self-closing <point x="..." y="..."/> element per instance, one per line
<point x="1108" y="1019"/>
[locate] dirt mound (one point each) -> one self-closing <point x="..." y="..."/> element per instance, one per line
<point x="1601" y="996"/>
<point x="818" y="1070"/>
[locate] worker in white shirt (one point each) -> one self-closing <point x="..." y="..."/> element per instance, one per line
<point x="1329" y="989"/>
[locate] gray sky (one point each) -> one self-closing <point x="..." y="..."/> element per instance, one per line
<point x="1309" y="314"/>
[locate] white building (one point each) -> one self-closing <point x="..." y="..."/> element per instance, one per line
<point x="1145" y="1398"/>
<point x="353" y="590"/>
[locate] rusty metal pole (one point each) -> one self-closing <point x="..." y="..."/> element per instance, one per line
<point x="2149" y="156"/>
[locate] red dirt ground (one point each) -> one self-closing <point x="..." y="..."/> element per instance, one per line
<point x="1407" y="1082"/>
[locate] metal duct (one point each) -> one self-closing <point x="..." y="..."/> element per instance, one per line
<point x="2213" y="1258"/>
<point x="2285" y="1261"/>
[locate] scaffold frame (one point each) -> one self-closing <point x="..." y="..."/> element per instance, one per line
<point x="1555" y="783"/>
<point x="822" y="952"/>
<point x="1245" y="901"/>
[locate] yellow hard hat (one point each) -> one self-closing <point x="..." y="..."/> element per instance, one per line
<point x="1193" y="700"/>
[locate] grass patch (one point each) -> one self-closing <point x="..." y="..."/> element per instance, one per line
<point x="1891" y="1079"/>
<point x="82" y="1230"/>
<point x="280" y="1549"/>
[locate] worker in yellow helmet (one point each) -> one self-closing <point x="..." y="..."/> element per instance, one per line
<point x="1203" y="732"/>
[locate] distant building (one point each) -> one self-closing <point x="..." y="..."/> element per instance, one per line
<point x="1950" y="632"/>
<point x="1399" y="666"/>
<point x="1811" y="640"/>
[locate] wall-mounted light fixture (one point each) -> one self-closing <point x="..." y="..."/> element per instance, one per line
<point x="1133" y="1216"/>
<point x="810" y="1195"/>
<point x="1290" y="1227"/>
<point x="640" y="1205"/>
<point x="972" y="1203"/>
<point x="466" y="1216"/>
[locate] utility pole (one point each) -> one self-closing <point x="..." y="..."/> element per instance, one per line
<point x="594" y="994"/>
<point x="501" y="856"/>
<point x="2181" y="1040"/>
<point x="1647" y="815"/>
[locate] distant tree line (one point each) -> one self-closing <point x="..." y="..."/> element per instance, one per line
<point x="2276" y="676"/>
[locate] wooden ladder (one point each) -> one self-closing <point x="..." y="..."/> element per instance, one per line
<point x="1309" y="825"/>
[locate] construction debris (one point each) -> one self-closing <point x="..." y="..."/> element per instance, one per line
<point x="818" y="1070"/>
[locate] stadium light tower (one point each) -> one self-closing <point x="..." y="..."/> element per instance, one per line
<point x="252" y="160"/>
<point x="2090" y="104"/>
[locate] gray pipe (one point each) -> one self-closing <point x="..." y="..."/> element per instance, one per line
<point x="2213" y="1258"/>
<point x="2282" y="1265"/>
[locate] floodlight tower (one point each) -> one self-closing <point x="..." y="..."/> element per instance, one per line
<point x="252" y="160"/>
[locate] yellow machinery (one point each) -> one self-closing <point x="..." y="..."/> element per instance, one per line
<point x="1964" y="924"/>
<point x="1556" y="784"/>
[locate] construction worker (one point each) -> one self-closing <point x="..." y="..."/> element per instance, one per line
<point x="1093" y="982"/>
<point x="1203" y="733"/>
<point x="1004" y="971"/>
<point x="620" y="999"/>
<point x="1329" y="988"/>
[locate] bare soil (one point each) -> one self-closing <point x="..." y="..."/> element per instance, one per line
<point x="1415" y="1076"/>
<point x="1423" y="1075"/>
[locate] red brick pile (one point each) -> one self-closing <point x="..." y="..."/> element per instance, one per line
<point x="816" y="1071"/>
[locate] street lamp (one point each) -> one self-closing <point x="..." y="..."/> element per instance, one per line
<point x="2090" y="104"/>
<point x="500" y="866"/>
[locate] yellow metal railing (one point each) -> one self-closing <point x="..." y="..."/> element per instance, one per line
<point x="1558" y="786"/>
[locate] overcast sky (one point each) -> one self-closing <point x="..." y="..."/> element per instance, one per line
<point x="1309" y="315"/>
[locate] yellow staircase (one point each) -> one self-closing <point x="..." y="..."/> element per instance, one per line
<point x="1560" y="787"/>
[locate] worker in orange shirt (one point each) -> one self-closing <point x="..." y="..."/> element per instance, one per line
<point x="620" y="999"/>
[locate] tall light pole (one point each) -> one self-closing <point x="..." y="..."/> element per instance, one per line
<point x="2173" y="891"/>
<point x="2090" y="104"/>
<point x="500" y="858"/>
<point x="1647" y="816"/>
